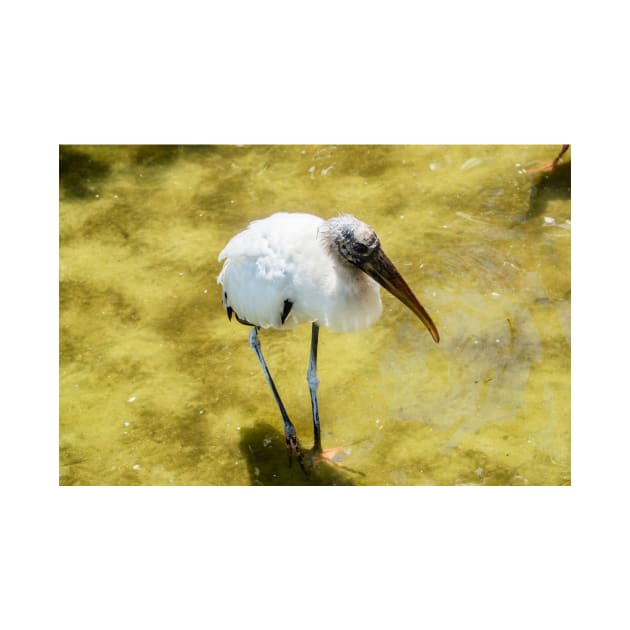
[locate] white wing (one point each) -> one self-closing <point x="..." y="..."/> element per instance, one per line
<point x="265" y="267"/>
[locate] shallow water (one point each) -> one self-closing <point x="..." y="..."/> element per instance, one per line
<point x="157" y="387"/>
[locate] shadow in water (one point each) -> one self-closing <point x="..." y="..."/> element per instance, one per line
<point x="550" y="186"/>
<point x="264" y="449"/>
<point x="79" y="172"/>
<point x="157" y="154"/>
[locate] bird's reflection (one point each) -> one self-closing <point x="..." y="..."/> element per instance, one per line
<point x="550" y="186"/>
<point x="552" y="181"/>
<point x="264" y="449"/>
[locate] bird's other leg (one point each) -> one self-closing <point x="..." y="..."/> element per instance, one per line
<point x="563" y="150"/>
<point x="293" y="443"/>
<point x="332" y="456"/>
<point x="313" y="385"/>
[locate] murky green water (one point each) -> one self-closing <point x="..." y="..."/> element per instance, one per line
<point x="157" y="387"/>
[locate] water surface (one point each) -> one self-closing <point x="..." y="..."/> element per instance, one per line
<point x="157" y="387"/>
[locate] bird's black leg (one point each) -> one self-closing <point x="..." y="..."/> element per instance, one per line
<point x="289" y="430"/>
<point x="313" y="384"/>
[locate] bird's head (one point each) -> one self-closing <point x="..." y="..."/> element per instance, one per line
<point x="358" y="244"/>
<point x="352" y="239"/>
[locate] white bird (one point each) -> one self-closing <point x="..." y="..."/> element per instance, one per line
<point x="292" y="268"/>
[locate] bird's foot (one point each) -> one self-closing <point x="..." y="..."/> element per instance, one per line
<point x="549" y="167"/>
<point x="294" y="448"/>
<point x="333" y="457"/>
<point x="545" y="169"/>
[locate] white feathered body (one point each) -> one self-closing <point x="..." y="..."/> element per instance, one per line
<point x="285" y="258"/>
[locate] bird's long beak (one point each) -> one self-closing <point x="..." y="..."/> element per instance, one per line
<point x="382" y="269"/>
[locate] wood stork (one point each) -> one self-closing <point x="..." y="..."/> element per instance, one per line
<point x="292" y="268"/>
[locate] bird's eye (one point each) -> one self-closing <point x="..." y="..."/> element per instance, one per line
<point x="359" y="248"/>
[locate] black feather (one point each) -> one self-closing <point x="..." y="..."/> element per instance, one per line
<point x="288" y="305"/>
